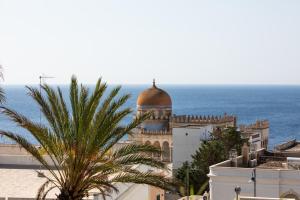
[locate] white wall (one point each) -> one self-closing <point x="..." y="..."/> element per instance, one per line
<point x="270" y="182"/>
<point x="186" y="145"/>
<point x="21" y="160"/>
<point x="136" y="192"/>
<point x="256" y="141"/>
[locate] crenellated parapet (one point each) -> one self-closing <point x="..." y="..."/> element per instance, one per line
<point x="159" y="117"/>
<point x="155" y="132"/>
<point x="259" y="124"/>
<point x="202" y="120"/>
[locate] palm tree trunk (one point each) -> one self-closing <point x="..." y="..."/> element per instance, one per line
<point x="66" y="194"/>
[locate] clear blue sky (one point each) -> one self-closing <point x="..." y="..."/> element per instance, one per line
<point x="133" y="41"/>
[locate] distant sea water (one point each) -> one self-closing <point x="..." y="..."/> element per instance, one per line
<point x="279" y="104"/>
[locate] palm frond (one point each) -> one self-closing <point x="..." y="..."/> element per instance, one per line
<point x="42" y="189"/>
<point x="2" y="95"/>
<point x="135" y="148"/>
<point x="148" y="178"/>
<point x="47" y="191"/>
<point x="79" y="141"/>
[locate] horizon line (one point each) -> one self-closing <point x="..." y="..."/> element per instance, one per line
<point x="165" y="84"/>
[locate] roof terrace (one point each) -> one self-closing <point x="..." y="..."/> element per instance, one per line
<point x="263" y="159"/>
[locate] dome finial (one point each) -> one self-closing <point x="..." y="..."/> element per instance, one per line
<point x="154" y="83"/>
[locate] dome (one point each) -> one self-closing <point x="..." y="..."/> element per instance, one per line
<point x="154" y="96"/>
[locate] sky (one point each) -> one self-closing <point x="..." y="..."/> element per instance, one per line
<point x="134" y="41"/>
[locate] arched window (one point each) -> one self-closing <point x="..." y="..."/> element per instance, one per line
<point x="291" y="194"/>
<point x="157" y="145"/>
<point x="148" y="143"/>
<point x="166" y="152"/>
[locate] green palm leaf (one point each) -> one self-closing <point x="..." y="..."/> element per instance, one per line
<point x="79" y="141"/>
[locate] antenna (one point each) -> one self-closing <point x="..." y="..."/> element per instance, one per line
<point x="1" y="72"/>
<point x="42" y="77"/>
<point x="153" y="82"/>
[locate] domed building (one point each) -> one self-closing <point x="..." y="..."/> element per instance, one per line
<point x="159" y="103"/>
<point x="157" y="129"/>
<point x="162" y="126"/>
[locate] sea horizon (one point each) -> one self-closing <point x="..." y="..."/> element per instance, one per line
<point x="161" y="84"/>
<point x="280" y="104"/>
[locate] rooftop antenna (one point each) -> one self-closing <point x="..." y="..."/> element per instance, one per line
<point x="42" y="77"/>
<point x="1" y="73"/>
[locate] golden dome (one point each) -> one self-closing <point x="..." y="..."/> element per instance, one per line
<point x="154" y="96"/>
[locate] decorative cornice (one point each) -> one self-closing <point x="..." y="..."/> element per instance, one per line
<point x="259" y="124"/>
<point x="192" y="119"/>
<point x="154" y="132"/>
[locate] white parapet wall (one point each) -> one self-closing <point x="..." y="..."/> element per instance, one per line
<point x="273" y="183"/>
<point x="262" y="198"/>
<point x="12" y="149"/>
<point x="21" y="160"/>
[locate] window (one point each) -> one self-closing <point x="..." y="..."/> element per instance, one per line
<point x="158" y="197"/>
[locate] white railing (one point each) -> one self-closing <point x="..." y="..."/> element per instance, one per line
<point x="262" y="198"/>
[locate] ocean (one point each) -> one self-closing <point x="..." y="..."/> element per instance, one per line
<point x="279" y="104"/>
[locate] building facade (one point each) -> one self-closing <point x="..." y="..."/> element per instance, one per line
<point x="258" y="133"/>
<point x="186" y="141"/>
<point x="157" y="130"/>
<point x="263" y="174"/>
<point x="178" y="136"/>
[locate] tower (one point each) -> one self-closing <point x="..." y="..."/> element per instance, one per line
<point x="158" y="102"/>
<point x="156" y="130"/>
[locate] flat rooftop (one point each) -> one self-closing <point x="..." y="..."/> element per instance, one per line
<point x="262" y="159"/>
<point x="272" y="165"/>
<point x="22" y="183"/>
<point x="19" y="175"/>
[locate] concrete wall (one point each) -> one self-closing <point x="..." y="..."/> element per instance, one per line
<point x="141" y="192"/>
<point x="131" y="191"/>
<point x="257" y="141"/>
<point x="186" y="140"/>
<point x="20" y="160"/>
<point x="12" y="149"/>
<point x="265" y="137"/>
<point x="154" y="192"/>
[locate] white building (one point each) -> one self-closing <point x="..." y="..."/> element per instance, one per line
<point x="186" y="140"/>
<point x="159" y="129"/>
<point x="258" y="133"/>
<point x="187" y="137"/>
<point x="269" y="176"/>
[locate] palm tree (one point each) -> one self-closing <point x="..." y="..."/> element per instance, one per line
<point x="79" y="142"/>
<point x="2" y="94"/>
